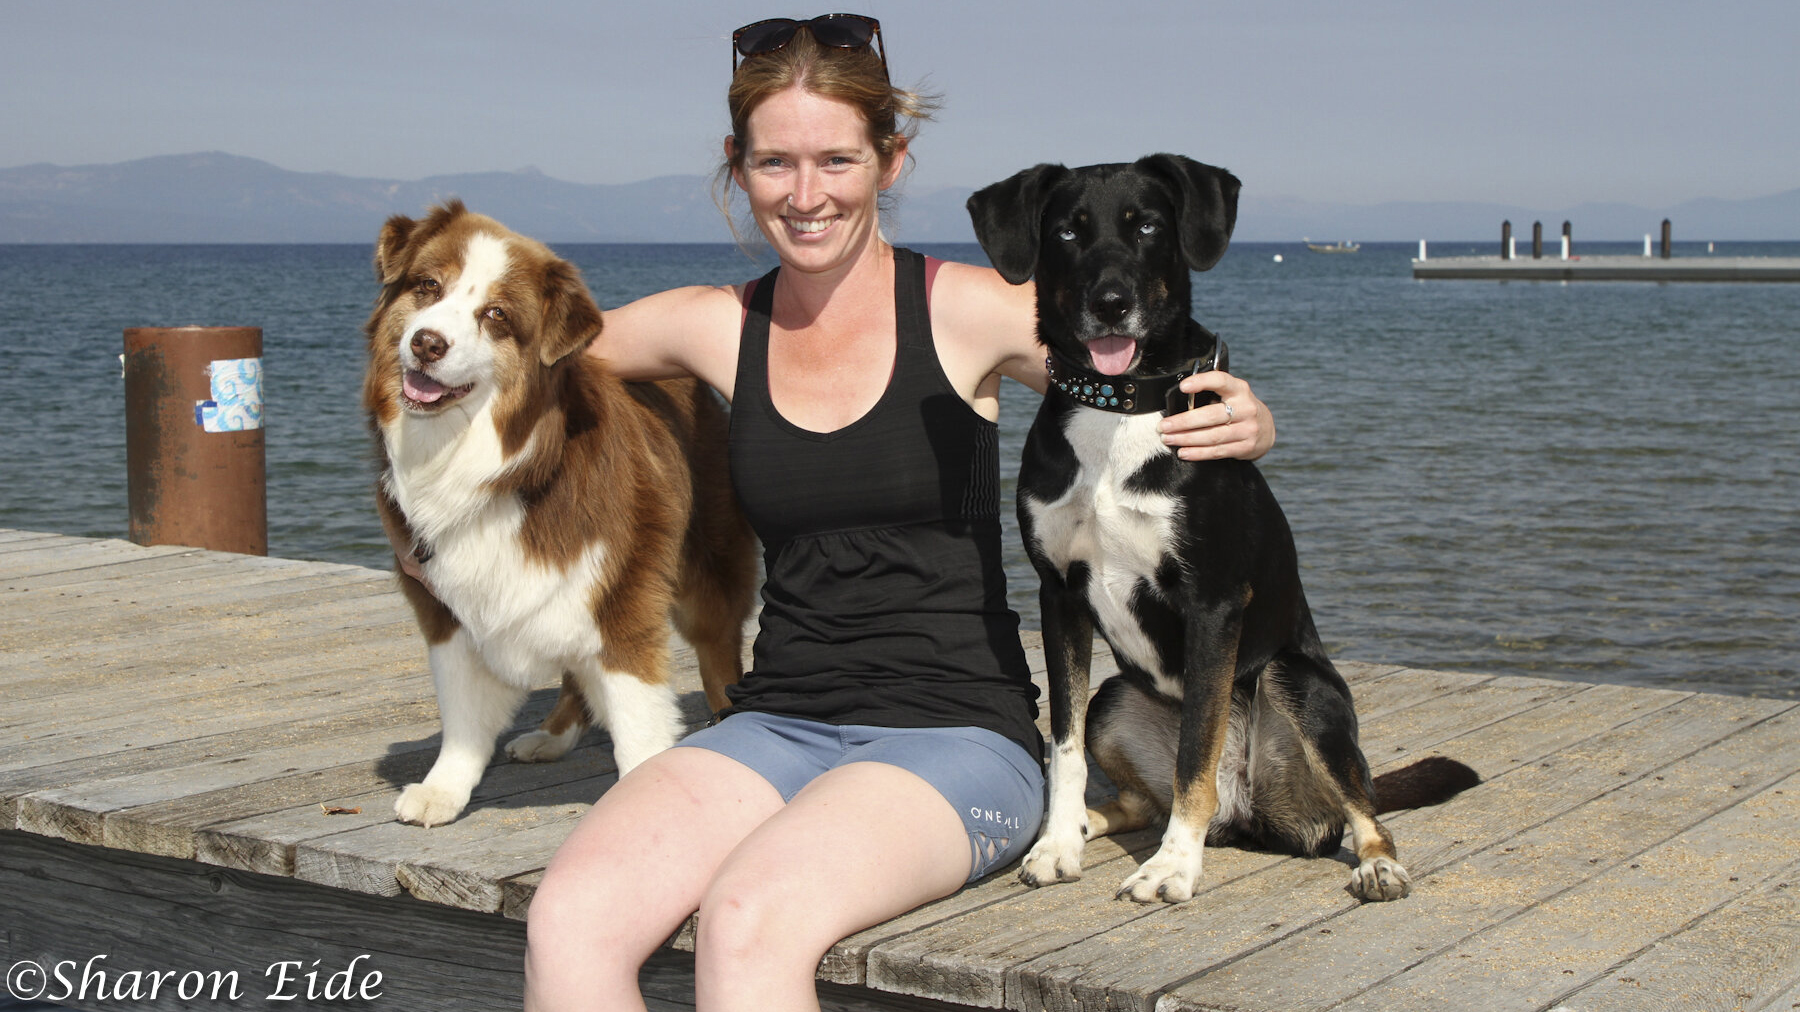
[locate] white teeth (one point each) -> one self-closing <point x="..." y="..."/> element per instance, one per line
<point x="815" y="225"/>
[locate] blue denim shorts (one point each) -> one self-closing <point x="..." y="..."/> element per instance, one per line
<point x="995" y="785"/>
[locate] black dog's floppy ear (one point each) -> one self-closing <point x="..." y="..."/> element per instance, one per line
<point x="1006" y="216"/>
<point x="1209" y="203"/>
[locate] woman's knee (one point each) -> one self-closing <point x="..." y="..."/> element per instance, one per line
<point x="744" y="918"/>
<point x="577" y="916"/>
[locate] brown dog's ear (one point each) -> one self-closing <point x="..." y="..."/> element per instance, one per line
<point x="390" y="265"/>
<point x="1209" y="202"/>
<point x="400" y="232"/>
<point x="1007" y="218"/>
<point x="571" y="318"/>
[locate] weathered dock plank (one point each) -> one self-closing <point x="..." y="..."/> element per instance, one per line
<point x="1546" y="828"/>
<point x="143" y="912"/>
<point x="1742" y="955"/>
<point x="150" y="812"/>
<point x="1541" y="955"/>
<point x="1638" y="839"/>
<point x="1050" y="950"/>
<point x="252" y="699"/>
<point x="102" y="612"/>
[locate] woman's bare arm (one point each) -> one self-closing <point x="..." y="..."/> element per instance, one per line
<point x="689" y="331"/>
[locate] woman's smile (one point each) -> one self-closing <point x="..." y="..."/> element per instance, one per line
<point x="814" y="178"/>
<point x="809" y="226"/>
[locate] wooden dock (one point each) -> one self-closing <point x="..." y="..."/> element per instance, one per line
<point x="199" y="754"/>
<point x="1609" y="268"/>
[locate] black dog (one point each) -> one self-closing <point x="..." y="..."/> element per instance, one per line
<point x="1226" y="714"/>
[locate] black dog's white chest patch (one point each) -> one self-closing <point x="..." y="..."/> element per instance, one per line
<point x="1122" y="535"/>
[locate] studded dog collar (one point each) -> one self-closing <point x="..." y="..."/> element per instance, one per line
<point x="1134" y="395"/>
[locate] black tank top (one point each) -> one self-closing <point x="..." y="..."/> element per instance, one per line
<point x="884" y="600"/>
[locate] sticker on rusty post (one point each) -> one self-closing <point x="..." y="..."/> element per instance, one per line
<point x="237" y="402"/>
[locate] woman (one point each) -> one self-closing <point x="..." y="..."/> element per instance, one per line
<point x="881" y="753"/>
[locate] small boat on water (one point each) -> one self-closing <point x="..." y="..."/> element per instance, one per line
<point x="1339" y="247"/>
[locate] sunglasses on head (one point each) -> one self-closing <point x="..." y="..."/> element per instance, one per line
<point x="833" y="31"/>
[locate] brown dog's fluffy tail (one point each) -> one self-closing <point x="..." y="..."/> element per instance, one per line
<point x="1430" y="781"/>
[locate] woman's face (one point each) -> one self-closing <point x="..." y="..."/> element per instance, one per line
<point x="812" y="177"/>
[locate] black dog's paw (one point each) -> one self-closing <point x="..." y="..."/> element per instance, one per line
<point x="1052" y="859"/>
<point x="1380" y="879"/>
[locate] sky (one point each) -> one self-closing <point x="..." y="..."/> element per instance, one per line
<point x="1545" y="104"/>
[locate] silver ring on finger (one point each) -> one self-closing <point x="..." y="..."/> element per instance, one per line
<point x="1230" y="415"/>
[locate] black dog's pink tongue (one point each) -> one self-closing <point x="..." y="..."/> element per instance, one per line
<point x="1112" y="354"/>
<point x="420" y="387"/>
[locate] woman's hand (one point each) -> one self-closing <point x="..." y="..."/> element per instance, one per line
<point x="407" y="560"/>
<point x="1238" y="427"/>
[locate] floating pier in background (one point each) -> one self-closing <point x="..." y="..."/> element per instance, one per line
<point x="200" y="751"/>
<point x="1609" y="268"/>
<point x="1664" y="266"/>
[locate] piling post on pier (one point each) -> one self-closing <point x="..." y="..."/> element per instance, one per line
<point x="1568" y="241"/>
<point x="1537" y="240"/>
<point x="1506" y="240"/>
<point x="1666" y="236"/>
<point x="194" y="456"/>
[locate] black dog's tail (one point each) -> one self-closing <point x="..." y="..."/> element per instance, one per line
<point x="1430" y="781"/>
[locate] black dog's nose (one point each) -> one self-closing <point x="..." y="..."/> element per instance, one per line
<point x="429" y="345"/>
<point x="1110" y="304"/>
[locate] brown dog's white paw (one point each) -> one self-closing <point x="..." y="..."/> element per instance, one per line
<point x="1380" y="878"/>
<point x="541" y="746"/>
<point x="429" y="805"/>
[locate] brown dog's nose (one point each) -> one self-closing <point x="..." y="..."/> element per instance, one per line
<point x="429" y="345"/>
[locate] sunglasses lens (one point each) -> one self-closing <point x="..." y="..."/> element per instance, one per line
<point x="765" y="36"/>
<point x="842" y="31"/>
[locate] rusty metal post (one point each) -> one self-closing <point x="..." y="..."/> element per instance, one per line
<point x="1537" y="240"/>
<point x="1667" y="230"/>
<point x="193" y="437"/>
<point x="1506" y="240"/>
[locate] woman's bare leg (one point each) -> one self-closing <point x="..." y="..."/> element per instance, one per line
<point x="861" y="844"/>
<point x="637" y="864"/>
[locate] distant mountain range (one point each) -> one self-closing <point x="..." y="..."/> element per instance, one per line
<point x="216" y="197"/>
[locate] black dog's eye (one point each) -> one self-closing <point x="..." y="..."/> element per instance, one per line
<point x="1146" y="229"/>
<point x="1066" y="235"/>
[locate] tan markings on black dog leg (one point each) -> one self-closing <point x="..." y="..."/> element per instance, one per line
<point x="1173" y="873"/>
<point x="1132" y="809"/>
<point x="1379" y="874"/>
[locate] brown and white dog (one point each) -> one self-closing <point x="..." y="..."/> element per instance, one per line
<point x="562" y="517"/>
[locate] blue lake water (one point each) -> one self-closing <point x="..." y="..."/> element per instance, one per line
<point x="1588" y="480"/>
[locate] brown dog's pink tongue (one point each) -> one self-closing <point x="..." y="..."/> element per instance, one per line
<point x="1112" y="354"/>
<point x="420" y="387"/>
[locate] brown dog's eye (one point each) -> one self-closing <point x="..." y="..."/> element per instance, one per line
<point x="496" y="314"/>
<point x="426" y="286"/>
